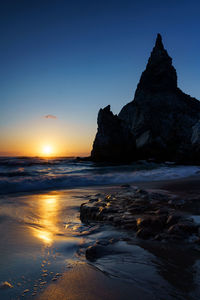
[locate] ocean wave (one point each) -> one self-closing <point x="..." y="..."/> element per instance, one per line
<point x="16" y="174"/>
<point x="31" y="161"/>
<point x="43" y="182"/>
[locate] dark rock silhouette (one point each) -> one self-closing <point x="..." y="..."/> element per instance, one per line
<point x="113" y="142"/>
<point x="161" y="122"/>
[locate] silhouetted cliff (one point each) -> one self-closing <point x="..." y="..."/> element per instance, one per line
<point x="161" y="122"/>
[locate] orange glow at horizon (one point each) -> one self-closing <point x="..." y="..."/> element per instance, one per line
<point x="29" y="139"/>
<point x="47" y="150"/>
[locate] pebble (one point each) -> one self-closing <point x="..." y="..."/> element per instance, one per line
<point x="6" y="285"/>
<point x="54" y="279"/>
<point x="43" y="282"/>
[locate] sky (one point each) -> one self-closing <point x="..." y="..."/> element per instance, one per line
<point x="61" y="61"/>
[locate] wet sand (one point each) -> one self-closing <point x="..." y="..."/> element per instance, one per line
<point x="185" y="186"/>
<point x="182" y="186"/>
<point x="84" y="281"/>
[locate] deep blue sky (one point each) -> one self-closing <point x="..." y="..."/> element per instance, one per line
<point x="69" y="58"/>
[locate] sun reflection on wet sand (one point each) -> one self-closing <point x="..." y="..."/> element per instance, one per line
<point x="47" y="218"/>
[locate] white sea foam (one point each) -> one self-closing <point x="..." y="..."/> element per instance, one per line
<point x="61" y="174"/>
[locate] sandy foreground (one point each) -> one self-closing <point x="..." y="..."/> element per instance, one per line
<point x="85" y="282"/>
<point x="183" y="187"/>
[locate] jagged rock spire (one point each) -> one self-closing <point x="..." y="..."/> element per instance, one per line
<point x="159" y="43"/>
<point x="161" y="122"/>
<point x="159" y="74"/>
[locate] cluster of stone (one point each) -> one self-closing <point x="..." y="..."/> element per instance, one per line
<point x="150" y="215"/>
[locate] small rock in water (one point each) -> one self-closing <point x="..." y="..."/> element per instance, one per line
<point x="6" y="285"/>
<point x="43" y="283"/>
<point x="56" y="276"/>
<point x="44" y="271"/>
<point x="54" y="279"/>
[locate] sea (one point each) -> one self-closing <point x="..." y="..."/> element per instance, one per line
<point x="28" y="174"/>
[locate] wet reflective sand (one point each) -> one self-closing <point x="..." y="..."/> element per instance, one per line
<point x="35" y="242"/>
<point x="42" y="238"/>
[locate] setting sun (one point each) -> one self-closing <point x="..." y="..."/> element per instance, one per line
<point x="47" y="150"/>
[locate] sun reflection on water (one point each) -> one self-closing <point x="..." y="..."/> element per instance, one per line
<point x="47" y="218"/>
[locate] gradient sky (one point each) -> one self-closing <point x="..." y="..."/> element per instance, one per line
<point x="69" y="58"/>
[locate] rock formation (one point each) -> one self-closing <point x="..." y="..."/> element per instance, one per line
<point x="113" y="142"/>
<point x="195" y="140"/>
<point x="161" y="122"/>
<point x="151" y="215"/>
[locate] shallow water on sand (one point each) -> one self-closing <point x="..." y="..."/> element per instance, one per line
<point x="42" y="236"/>
<point x="36" y="241"/>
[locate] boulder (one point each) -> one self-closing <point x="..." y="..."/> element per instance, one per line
<point x="173" y="219"/>
<point x="156" y="224"/>
<point x="144" y="233"/>
<point x="184" y="228"/>
<point x="95" y="251"/>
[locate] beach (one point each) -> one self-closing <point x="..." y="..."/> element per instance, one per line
<point x="87" y="282"/>
<point x="44" y="244"/>
<point x="100" y="150"/>
<point x="179" y="267"/>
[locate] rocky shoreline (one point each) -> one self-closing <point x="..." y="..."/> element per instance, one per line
<point x="145" y="214"/>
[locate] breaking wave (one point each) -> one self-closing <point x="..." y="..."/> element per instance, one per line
<point x="35" y="174"/>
